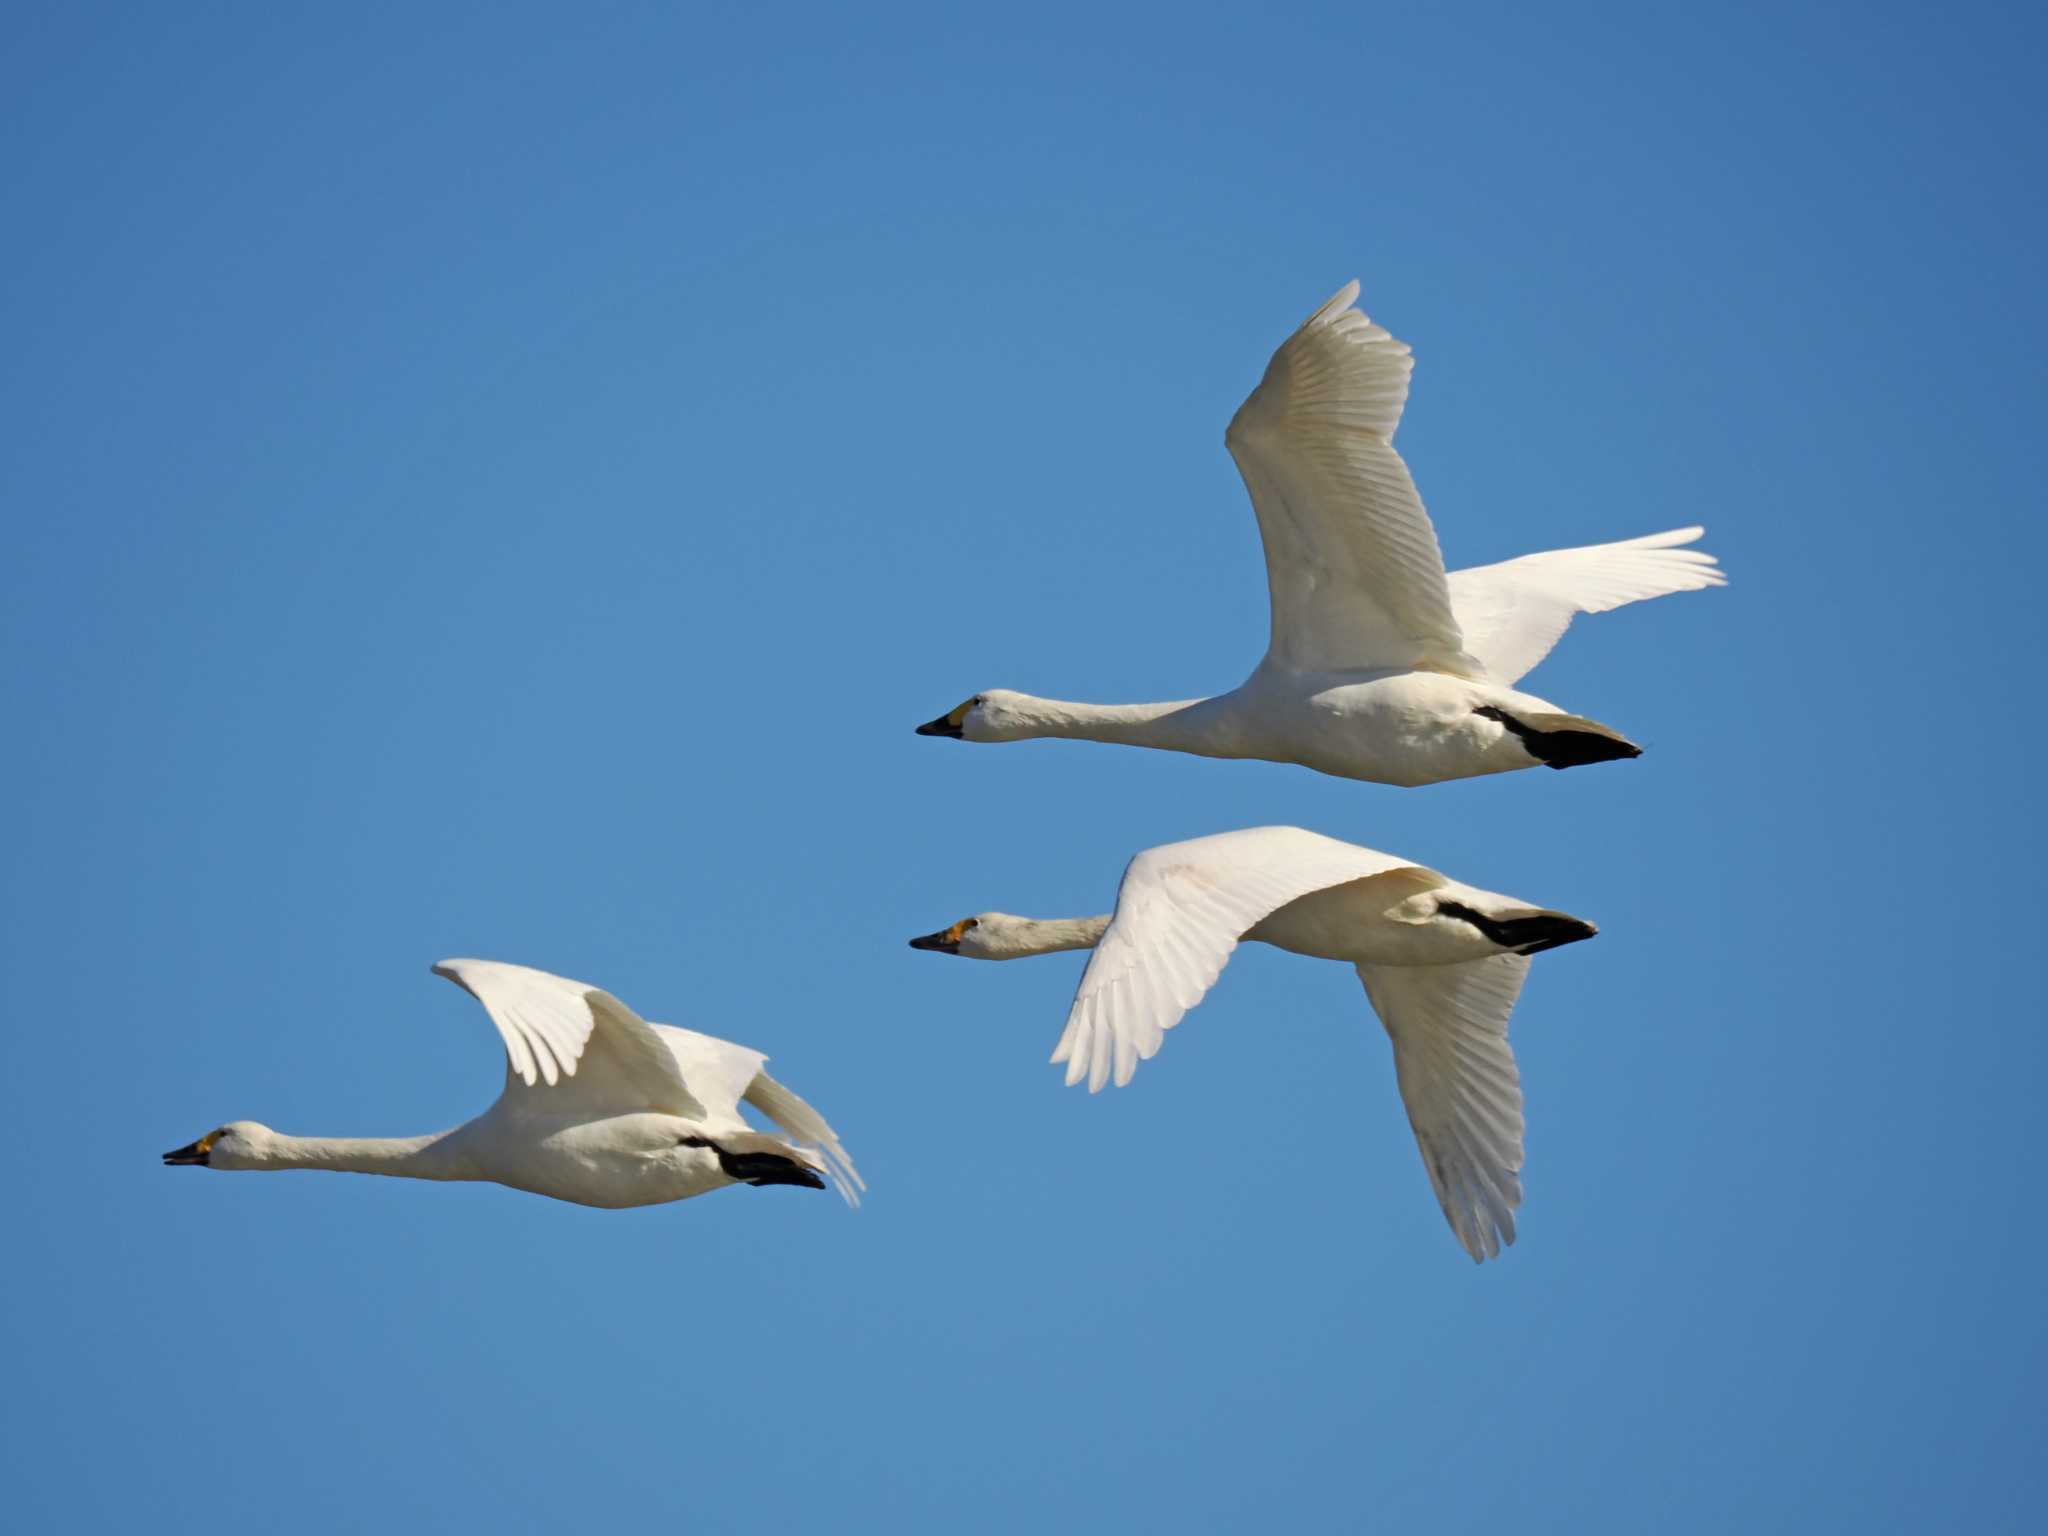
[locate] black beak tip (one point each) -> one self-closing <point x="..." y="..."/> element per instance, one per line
<point x="940" y="727"/>
<point x="1567" y="930"/>
<point x="185" y="1157"/>
<point x="938" y="943"/>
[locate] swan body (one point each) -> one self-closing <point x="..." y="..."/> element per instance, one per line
<point x="1405" y="728"/>
<point x="1381" y="665"/>
<point x="599" y="1108"/>
<point x="1442" y="964"/>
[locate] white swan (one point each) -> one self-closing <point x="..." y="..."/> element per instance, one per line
<point x="599" y="1108"/>
<point x="1381" y="666"/>
<point x="1442" y="965"/>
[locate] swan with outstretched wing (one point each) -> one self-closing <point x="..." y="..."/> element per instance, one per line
<point x="1381" y="665"/>
<point x="599" y="1107"/>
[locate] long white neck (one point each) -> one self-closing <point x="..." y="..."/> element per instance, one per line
<point x="1185" y="725"/>
<point x="1050" y="935"/>
<point x="405" y="1157"/>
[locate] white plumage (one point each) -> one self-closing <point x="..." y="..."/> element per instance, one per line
<point x="1380" y="665"/>
<point x="1514" y="612"/>
<point x="1352" y="564"/>
<point x="1442" y="963"/>
<point x="599" y="1107"/>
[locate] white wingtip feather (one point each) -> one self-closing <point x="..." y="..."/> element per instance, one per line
<point x="1342" y="299"/>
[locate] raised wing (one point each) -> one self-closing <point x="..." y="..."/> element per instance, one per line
<point x="576" y="1044"/>
<point x="717" y="1071"/>
<point x="1180" y="911"/>
<point x="808" y="1127"/>
<point x="1513" y="613"/>
<point x="1356" y="578"/>
<point x="1449" y="1025"/>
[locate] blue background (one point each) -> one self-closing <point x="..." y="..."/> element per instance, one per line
<point x="506" y="481"/>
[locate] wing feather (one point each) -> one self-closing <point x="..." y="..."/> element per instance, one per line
<point x="1355" y="575"/>
<point x="1180" y="912"/>
<point x="718" y="1071"/>
<point x="589" y="1049"/>
<point x="1512" y="613"/>
<point x="808" y="1127"/>
<point x="1458" y="1079"/>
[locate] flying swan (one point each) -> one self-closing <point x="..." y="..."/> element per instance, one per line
<point x="1442" y="965"/>
<point x="1380" y="666"/>
<point x="599" y="1108"/>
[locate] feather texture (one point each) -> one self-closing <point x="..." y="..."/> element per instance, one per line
<point x="1449" y="1025"/>
<point x="1514" y="612"/>
<point x="1180" y="911"/>
<point x="807" y="1127"/>
<point x="1356" y="577"/>
<point x="575" y="1042"/>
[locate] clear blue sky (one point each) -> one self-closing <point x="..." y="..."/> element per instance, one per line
<point x="506" y="480"/>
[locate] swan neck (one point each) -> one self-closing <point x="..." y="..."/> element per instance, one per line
<point x="1176" y="726"/>
<point x="405" y="1157"/>
<point x="1049" y="936"/>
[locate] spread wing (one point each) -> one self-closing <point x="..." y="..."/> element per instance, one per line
<point x="576" y="1044"/>
<point x="1449" y="1025"/>
<point x="1356" y="578"/>
<point x="1180" y="911"/>
<point x="1514" y="612"/>
<point x="717" y="1071"/>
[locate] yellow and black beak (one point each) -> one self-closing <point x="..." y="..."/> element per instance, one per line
<point x="945" y="942"/>
<point x="948" y="724"/>
<point x="193" y="1156"/>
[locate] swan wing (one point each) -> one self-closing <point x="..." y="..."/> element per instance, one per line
<point x="574" y="1043"/>
<point x="1514" y="612"/>
<point x="805" y="1125"/>
<point x="1180" y="911"/>
<point x="717" y="1071"/>
<point x="1356" y="578"/>
<point x="1449" y="1025"/>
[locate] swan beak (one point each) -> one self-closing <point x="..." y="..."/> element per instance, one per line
<point x="945" y="942"/>
<point x="953" y="723"/>
<point x="193" y="1156"/>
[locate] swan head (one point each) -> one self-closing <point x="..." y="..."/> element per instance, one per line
<point x="995" y="714"/>
<point x="996" y="936"/>
<point x="238" y="1144"/>
<point x="963" y="938"/>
